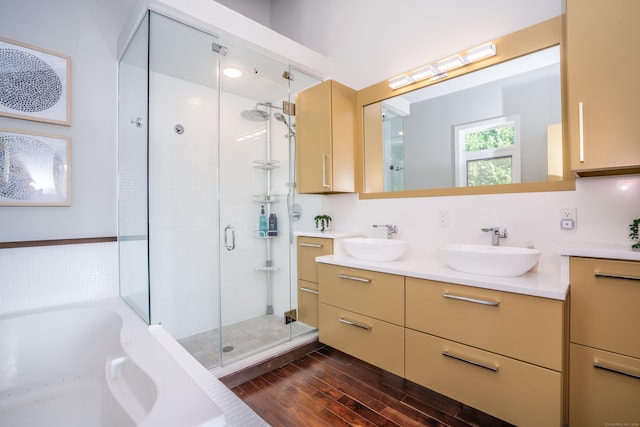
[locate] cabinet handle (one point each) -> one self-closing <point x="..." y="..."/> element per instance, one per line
<point x="357" y="279"/>
<point x="324" y="172"/>
<point x="311" y="291"/>
<point x="493" y="367"/>
<point x="581" y="129"/>
<point x="357" y="325"/>
<point x="311" y="245"/>
<point x="474" y="300"/>
<point x="616" y="276"/>
<point x="599" y="364"/>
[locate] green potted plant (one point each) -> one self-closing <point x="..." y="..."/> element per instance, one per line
<point x="633" y="233"/>
<point x="323" y="222"/>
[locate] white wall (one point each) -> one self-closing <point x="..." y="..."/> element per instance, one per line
<point x="86" y="30"/>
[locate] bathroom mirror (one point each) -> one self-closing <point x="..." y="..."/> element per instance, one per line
<point x="491" y="129"/>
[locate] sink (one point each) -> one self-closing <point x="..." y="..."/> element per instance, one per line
<point x="370" y="249"/>
<point x="505" y="261"/>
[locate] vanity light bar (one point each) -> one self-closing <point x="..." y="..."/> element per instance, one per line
<point x="438" y="70"/>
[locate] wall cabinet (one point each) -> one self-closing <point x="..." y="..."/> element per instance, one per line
<point x="602" y="106"/>
<point x="496" y="351"/>
<point x="308" y="249"/>
<point x="604" y="357"/>
<point x="325" y="139"/>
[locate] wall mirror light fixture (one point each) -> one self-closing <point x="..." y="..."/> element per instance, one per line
<point x="488" y="120"/>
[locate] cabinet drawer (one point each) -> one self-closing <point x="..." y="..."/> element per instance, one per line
<point x="604" y="304"/>
<point x="374" y="341"/>
<point x="308" y="249"/>
<point x="373" y="294"/>
<point x="511" y="390"/>
<point x="602" y="396"/>
<point x="308" y="303"/>
<point x="519" y="326"/>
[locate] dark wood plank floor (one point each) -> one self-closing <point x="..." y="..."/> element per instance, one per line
<point x="330" y="388"/>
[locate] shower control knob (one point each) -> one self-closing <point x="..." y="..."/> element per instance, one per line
<point x="179" y="129"/>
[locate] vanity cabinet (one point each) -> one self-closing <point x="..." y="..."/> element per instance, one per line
<point x="602" y="106"/>
<point x="604" y="356"/>
<point x="362" y="314"/>
<point x="308" y="249"/>
<point x="497" y="351"/>
<point x="325" y="139"/>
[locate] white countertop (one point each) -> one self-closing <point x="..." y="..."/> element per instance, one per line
<point x="328" y="234"/>
<point x="543" y="283"/>
<point x="599" y="250"/>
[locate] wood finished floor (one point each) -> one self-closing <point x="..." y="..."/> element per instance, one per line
<point x="330" y="388"/>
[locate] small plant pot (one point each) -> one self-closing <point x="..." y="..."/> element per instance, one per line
<point x="322" y="222"/>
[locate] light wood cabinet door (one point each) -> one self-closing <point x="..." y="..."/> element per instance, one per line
<point x="605" y="311"/>
<point x="603" y="107"/>
<point x="520" y="326"/>
<point x="308" y="249"/>
<point x="374" y="341"/>
<point x="325" y="139"/>
<point x="378" y="295"/>
<point x="308" y="303"/>
<point x="604" y="388"/>
<point x="514" y="391"/>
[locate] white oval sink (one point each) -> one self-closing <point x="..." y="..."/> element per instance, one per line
<point x="369" y="249"/>
<point x="488" y="260"/>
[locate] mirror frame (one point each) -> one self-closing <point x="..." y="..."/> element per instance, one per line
<point x="531" y="39"/>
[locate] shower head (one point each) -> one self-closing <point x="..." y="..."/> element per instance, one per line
<point x="255" y="115"/>
<point x="280" y="117"/>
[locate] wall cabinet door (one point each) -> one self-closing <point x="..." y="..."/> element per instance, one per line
<point x="603" y="85"/>
<point x="325" y="139"/>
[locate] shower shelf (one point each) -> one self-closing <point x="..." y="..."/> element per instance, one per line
<point x="265" y="198"/>
<point x="258" y="234"/>
<point x="266" y="165"/>
<point x="267" y="268"/>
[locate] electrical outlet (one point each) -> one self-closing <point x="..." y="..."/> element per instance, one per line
<point x="567" y="218"/>
<point x="443" y="218"/>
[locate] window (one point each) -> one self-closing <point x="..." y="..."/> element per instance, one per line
<point x="487" y="152"/>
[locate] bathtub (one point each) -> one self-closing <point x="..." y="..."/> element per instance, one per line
<point x="96" y="364"/>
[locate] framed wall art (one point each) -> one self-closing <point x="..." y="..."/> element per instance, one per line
<point x="35" y="169"/>
<point x="35" y="84"/>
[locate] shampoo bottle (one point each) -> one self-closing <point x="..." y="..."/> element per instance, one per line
<point x="262" y="226"/>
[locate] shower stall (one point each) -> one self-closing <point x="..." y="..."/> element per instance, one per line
<point x="206" y="141"/>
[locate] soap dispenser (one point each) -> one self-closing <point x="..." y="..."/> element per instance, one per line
<point x="262" y="226"/>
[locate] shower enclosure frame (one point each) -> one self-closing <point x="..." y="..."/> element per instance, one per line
<point x="268" y="165"/>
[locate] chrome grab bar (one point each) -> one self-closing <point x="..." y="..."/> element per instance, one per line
<point x="471" y="362"/>
<point x="615" y="276"/>
<point x="230" y="246"/>
<point x="357" y="325"/>
<point x="311" y="291"/>
<point x="356" y="279"/>
<point x="474" y="300"/>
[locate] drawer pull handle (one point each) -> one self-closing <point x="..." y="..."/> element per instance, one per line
<point x="474" y="300"/>
<point x="610" y="368"/>
<point x="357" y="279"/>
<point x="616" y="276"/>
<point x="311" y="245"/>
<point x="357" y="325"/>
<point x="493" y="368"/>
<point x="311" y="291"/>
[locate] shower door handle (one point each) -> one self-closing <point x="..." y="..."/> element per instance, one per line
<point x="229" y="246"/>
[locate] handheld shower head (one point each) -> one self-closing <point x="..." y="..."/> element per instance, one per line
<point x="281" y="118"/>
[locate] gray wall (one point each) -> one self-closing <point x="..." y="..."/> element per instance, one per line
<point x="429" y="136"/>
<point x="87" y="31"/>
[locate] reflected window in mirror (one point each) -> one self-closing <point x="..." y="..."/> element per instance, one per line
<point x="410" y="139"/>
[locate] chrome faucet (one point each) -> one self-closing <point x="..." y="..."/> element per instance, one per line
<point x="391" y="228"/>
<point x="496" y="235"/>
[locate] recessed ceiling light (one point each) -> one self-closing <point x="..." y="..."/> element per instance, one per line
<point x="232" y="72"/>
